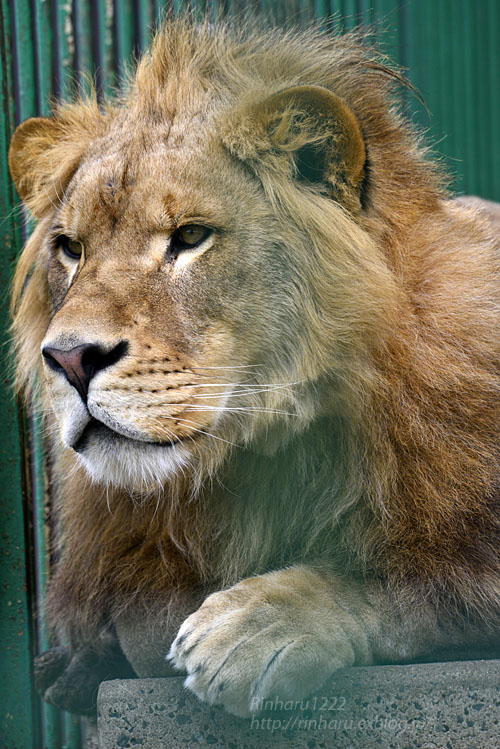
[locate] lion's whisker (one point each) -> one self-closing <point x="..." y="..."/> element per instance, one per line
<point x="191" y="424"/>
<point x="255" y="391"/>
<point x="242" y="409"/>
<point x="242" y="366"/>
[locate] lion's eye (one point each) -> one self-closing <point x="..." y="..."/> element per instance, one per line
<point x="190" y="235"/>
<point x="72" y="248"/>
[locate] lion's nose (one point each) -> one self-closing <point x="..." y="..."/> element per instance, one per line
<point x="81" y="363"/>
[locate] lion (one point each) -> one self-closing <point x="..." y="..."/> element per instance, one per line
<point x="265" y="341"/>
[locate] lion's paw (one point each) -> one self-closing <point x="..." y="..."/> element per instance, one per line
<point x="66" y="680"/>
<point x="257" y="640"/>
<point x="70" y="680"/>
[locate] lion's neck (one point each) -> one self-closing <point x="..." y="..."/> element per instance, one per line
<point x="259" y="509"/>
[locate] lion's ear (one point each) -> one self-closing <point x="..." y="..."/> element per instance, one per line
<point x="44" y="154"/>
<point x="315" y="129"/>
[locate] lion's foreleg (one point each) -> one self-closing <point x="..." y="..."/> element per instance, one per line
<point x="285" y="633"/>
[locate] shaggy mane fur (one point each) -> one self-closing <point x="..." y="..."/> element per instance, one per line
<point x="397" y="452"/>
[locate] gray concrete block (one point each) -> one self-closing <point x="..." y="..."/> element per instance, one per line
<point x="454" y="705"/>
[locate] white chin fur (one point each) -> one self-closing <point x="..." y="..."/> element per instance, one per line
<point x="132" y="465"/>
<point x="121" y="462"/>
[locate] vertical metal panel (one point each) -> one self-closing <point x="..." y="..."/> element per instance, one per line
<point x="24" y="59"/>
<point x="158" y="10"/>
<point x="84" y="62"/>
<point x="144" y="13"/>
<point x="50" y="718"/>
<point x="470" y="93"/>
<point x="103" y="13"/>
<point x="387" y="21"/>
<point x="36" y="66"/>
<point x="350" y="13"/>
<point x="303" y="12"/>
<point x="451" y="50"/>
<point x="457" y="114"/>
<point x="125" y="35"/>
<point x="72" y="731"/>
<point x="485" y="79"/>
<point x="44" y="59"/>
<point x="429" y="53"/>
<point x="335" y="20"/>
<point x="321" y="8"/>
<point x="64" y="48"/>
<point x="445" y="81"/>
<point x="493" y="93"/>
<point x="18" y="726"/>
<point x="366" y="11"/>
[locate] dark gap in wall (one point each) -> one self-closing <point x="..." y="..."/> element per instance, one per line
<point x="19" y="114"/>
<point x="404" y="41"/>
<point x="35" y="32"/>
<point x="31" y="544"/>
<point x="77" y="30"/>
<point x="27" y="504"/>
<point x="120" y="58"/>
<point x="97" y="48"/>
<point x="57" y="70"/>
<point x="137" y="49"/>
<point x="15" y="64"/>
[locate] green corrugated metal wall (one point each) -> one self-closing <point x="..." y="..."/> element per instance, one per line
<point x="451" y="49"/>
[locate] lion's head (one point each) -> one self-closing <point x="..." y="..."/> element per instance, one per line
<point x="200" y="265"/>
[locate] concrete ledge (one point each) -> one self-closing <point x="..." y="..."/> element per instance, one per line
<point x="454" y="705"/>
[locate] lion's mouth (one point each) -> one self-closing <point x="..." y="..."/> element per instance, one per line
<point x="96" y="429"/>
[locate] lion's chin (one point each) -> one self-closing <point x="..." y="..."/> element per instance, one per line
<point x="113" y="459"/>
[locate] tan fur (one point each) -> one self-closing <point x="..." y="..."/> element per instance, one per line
<point x="357" y="315"/>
